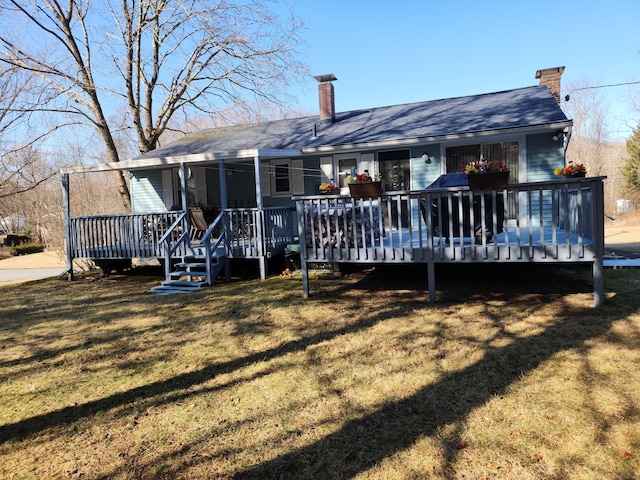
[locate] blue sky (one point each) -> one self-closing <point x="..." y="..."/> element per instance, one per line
<point x="403" y="51"/>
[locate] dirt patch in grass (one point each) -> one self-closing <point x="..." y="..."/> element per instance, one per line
<point x="512" y="374"/>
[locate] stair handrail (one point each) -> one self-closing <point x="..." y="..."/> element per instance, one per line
<point x="210" y="248"/>
<point x="166" y="240"/>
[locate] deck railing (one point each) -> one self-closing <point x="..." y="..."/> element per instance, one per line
<point x="133" y="235"/>
<point x="546" y="220"/>
<point x="252" y="233"/>
<point x="559" y="221"/>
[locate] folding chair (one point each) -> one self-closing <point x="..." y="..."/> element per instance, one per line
<point x="198" y="223"/>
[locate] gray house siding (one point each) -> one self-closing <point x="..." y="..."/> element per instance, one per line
<point x="146" y="192"/>
<point x="424" y="174"/>
<point x="544" y="155"/>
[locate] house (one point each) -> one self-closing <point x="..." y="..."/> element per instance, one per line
<point x="524" y="127"/>
<point x="246" y="179"/>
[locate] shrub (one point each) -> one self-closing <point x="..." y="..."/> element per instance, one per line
<point x="26" y="249"/>
<point x="15" y="239"/>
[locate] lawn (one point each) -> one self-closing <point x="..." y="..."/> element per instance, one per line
<point x="511" y="374"/>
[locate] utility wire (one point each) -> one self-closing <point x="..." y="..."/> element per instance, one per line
<point x="568" y="95"/>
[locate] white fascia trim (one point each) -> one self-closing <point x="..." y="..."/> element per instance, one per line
<point x="156" y="162"/>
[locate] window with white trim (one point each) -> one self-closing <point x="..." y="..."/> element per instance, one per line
<point x="281" y="181"/>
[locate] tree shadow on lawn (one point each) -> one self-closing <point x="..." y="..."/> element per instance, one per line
<point x="362" y="443"/>
<point x="366" y="441"/>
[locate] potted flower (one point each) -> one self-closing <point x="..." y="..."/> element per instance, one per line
<point x="328" y="188"/>
<point x="572" y="170"/>
<point x="362" y="185"/>
<point x="483" y="175"/>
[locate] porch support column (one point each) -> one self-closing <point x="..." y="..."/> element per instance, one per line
<point x="262" y="255"/>
<point x="184" y="196"/>
<point x="67" y="224"/>
<point x="225" y="220"/>
<point x="223" y="184"/>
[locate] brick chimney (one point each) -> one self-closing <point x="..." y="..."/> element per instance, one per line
<point x="550" y="78"/>
<point x="326" y="98"/>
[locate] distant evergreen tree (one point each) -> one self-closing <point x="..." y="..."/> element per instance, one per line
<point x="631" y="167"/>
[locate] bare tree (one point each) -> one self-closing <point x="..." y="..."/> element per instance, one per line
<point x="590" y="140"/>
<point x="587" y="108"/>
<point x="156" y="57"/>
<point x="22" y="170"/>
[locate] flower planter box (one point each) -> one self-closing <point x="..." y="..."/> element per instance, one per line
<point x="488" y="181"/>
<point x="576" y="175"/>
<point x="362" y="190"/>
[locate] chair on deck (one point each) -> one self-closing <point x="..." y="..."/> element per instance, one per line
<point x="198" y="223"/>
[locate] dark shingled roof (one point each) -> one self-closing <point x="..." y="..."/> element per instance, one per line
<point x="522" y="107"/>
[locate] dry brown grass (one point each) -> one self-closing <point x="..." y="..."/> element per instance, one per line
<point x="511" y="374"/>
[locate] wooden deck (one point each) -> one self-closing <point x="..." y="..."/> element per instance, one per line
<point x="250" y="233"/>
<point x="558" y="221"/>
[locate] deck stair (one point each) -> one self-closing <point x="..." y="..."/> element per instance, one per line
<point x="190" y="275"/>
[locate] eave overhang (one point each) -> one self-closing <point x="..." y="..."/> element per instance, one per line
<point x="169" y="161"/>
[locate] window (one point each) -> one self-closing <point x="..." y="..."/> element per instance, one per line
<point x="395" y="169"/>
<point x="344" y="164"/>
<point x="281" y="178"/>
<point x="506" y="152"/>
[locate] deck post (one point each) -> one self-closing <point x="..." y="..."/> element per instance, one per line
<point x="431" y="272"/>
<point x="66" y="207"/>
<point x="598" y="283"/>
<point x="303" y="249"/>
<point x="598" y="238"/>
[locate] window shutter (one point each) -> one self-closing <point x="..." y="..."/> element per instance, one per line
<point x="297" y="177"/>
<point x="326" y="169"/>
